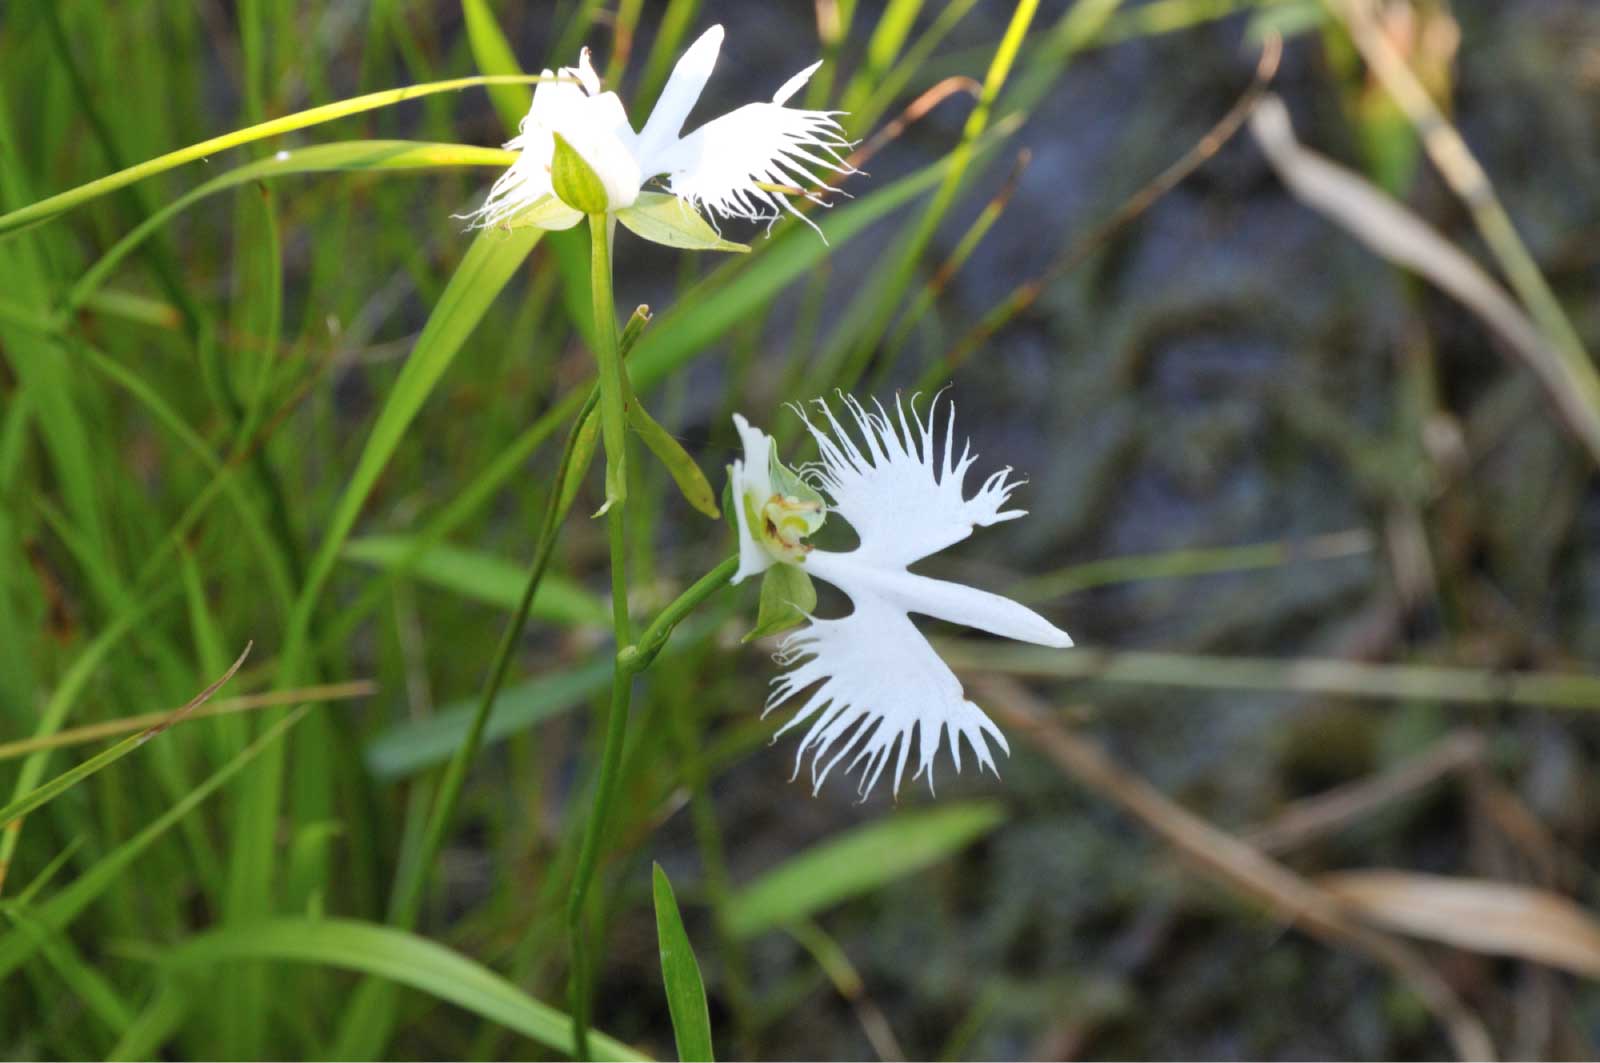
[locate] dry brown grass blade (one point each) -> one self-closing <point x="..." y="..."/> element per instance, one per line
<point x="359" y="688"/>
<point x="1466" y="177"/>
<point x="914" y="112"/>
<point x="1481" y="915"/>
<point x="1230" y="862"/>
<point x="1322" y="814"/>
<point x="1025" y="294"/>
<point x="1395" y="233"/>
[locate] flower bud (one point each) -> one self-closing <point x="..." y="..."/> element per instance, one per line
<point x="574" y="181"/>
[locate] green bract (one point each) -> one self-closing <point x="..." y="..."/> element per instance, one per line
<point x="574" y="181"/>
<point x="665" y="219"/>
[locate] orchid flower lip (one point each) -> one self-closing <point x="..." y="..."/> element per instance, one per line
<point x="872" y="684"/>
<point x="748" y="163"/>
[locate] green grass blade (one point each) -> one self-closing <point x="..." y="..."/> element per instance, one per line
<point x="493" y="54"/>
<point x="481" y="577"/>
<point x="857" y="862"/>
<point x="59" y="911"/>
<point x="55" y="714"/>
<point x="488" y="265"/>
<point x="51" y="206"/>
<point x="40" y="795"/>
<point x="389" y="156"/>
<point x="408" y="748"/>
<point x="398" y="956"/>
<point x="152" y="1027"/>
<point x="680" y="973"/>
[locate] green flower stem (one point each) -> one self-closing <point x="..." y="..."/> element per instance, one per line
<point x="631" y="660"/>
<point x="405" y="905"/>
<point x="637" y="658"/>
<point x="613" y="434"/>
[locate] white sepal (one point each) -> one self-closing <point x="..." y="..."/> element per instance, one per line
<point x="678" y="97"/>
<point x="751" y="479"/>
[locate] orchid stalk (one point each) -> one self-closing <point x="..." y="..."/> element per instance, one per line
<point x="900" y="484"/>
<point x="745" y="164"/>
<point x="580" y="159"/>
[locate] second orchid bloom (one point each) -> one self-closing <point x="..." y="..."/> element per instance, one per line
<point x="900" y="484"/>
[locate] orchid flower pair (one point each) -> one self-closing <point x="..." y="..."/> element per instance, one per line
<point x="741" y="165"/>
<point x="901" y="487"/>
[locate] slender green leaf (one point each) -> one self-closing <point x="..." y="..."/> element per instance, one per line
<point x="59" y="785"/>
<point x="857" y="862"/>
<point x="76" y="197"/>
<point x="417" y="744"/>
<point x="59" y="911"/>
<point x="345" y="157"/>
<point x="481" y="577"/>
<point x="493" y="55"/>
<point x="489" y="264"/>
<point x="680" y="974"/>
<point x="686" y="474"/>
<point x="386" y="952"/>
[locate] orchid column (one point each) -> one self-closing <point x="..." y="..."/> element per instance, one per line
<point x="582" y="160"/>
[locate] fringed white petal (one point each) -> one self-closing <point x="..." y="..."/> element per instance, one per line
<point x="940" y="599"/>
<point x="900" y="485"/>
<point x="750" y="476"/>
<point x="677" y="99"/>
<point x="878" y="683"/>
<point x="723" y="165"/>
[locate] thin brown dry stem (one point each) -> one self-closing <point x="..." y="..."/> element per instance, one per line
<point x="991" y="212"/>
<point x="1231" y="862"/>
<point x="1467" y="178"/>
<point x="914" y="112"/>
<point x="1326" y="813"/>
<point x="13" y="829"/>
<point x="1392" y="231"/>
<point x="1027" y="293"/>
<point x="246" y="703"/>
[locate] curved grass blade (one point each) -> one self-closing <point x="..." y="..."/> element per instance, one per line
<point x="38" y="796"/>
<point x="493" y="54"/>
<point x="680" y="973"/>
<point x="857" y="862"/>
<point x="342" y="157"/>
<point x="51" y="206"/>
<point x="488" y="265"/>
<point x="398" y="956"/>
<point x="481" y="577"/>
<point x="55" y="714"/>
<point x="59" y="911"/>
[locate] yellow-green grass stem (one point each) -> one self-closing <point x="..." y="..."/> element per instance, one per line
<point x="72" y="198"/>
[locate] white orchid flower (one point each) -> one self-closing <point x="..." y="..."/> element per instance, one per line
<point x="741" y="165"/>
<point x="902" y="489"/>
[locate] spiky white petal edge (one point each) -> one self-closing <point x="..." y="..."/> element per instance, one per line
<point x="879" y="683"/>
<point x="723" y="165"/>
<point x="901" y="486"/>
